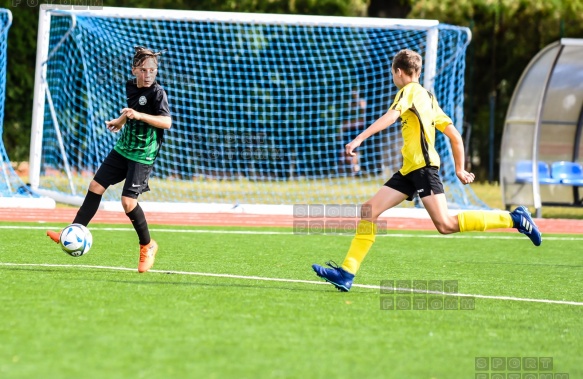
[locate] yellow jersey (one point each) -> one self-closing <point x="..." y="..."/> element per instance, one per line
<point x="420" y="116"/>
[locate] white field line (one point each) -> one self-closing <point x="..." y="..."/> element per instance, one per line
<point x="230" y="276"/>
<point x="267" y="232"/>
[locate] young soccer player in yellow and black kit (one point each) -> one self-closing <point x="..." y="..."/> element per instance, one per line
<point x="420" y="116"/>
<point x="142" y="124"/>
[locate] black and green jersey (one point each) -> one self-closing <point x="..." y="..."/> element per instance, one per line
<point x="139" y="141"/>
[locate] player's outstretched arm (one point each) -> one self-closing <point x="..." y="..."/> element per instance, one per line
<point x="457" y="148"/>
<point x="382" y="123"/>
<point x="162" y="122"/>
<point x="116" y="124"/>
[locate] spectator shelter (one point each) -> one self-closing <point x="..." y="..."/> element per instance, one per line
<point x="542" y="148"/>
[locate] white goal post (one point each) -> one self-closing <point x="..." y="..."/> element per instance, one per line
<point x="14" y="193"/>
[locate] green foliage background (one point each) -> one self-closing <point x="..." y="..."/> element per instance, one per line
<point x="506" y="35"/>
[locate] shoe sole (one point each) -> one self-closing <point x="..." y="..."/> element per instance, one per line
<point x="146" y="270"/>
<point x="339" y="287"/>
<point x="53" y="239"/>
<point x="526" y="214"/>
<point x="537" y="242"/>
<point x="153" y="261"/>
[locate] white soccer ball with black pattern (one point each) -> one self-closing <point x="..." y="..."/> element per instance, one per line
<point x="76" y="240"/>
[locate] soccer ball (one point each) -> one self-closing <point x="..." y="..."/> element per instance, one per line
<point x="76" y="240"/>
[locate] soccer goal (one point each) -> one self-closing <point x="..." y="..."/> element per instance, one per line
<point x="262" y="104"/>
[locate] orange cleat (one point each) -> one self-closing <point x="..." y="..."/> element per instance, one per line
<point x="147" y="256"/>
<point x="55" y="236"/>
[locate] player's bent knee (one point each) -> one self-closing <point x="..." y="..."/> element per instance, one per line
<point x="367" y="212"/>
<point x="441" y="229"/>
<point x="128" y="203"/>
<point x="444" y="228"/>
<point x="96" y="188"/>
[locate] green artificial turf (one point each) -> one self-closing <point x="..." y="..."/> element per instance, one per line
<point x="82" y="318"/>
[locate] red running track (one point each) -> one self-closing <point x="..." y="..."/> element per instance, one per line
<point x="64" y="215"/>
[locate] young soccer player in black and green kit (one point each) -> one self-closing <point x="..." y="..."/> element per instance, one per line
<point x="142" y="124"/>
<point x="420" y="116"/>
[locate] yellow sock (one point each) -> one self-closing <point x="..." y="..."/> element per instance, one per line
<point x="361" y="244"/>
<point x="484" y="220"/>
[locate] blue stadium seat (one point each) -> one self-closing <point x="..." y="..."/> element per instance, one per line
<point x="568" y="173"/>
<point x="524" y="173"/>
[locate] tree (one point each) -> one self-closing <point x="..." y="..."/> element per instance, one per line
<point x="507" y="34"/>
<point x="20" y="81"/>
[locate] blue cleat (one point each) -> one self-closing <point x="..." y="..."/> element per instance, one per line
<point x="525" y="224"/>
<point x="340" y="278"/>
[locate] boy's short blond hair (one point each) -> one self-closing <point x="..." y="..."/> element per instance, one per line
<point x="408" y="61"/>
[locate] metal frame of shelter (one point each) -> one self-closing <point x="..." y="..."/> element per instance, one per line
<point x="544" y="126"/>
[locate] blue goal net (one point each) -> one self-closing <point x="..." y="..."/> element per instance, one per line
<point x="10" y="183"/>
<point x="262" y="105"/>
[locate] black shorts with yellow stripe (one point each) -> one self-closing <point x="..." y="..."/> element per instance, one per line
<point x="424" y="181"/>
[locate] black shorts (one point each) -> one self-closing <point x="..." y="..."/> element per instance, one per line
<point x="424" y="182"/>
<point x="116" y="168"/>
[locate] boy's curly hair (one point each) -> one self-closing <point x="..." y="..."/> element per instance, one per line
<point x="142" y="53"/>
<point x="408" y="61"/>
